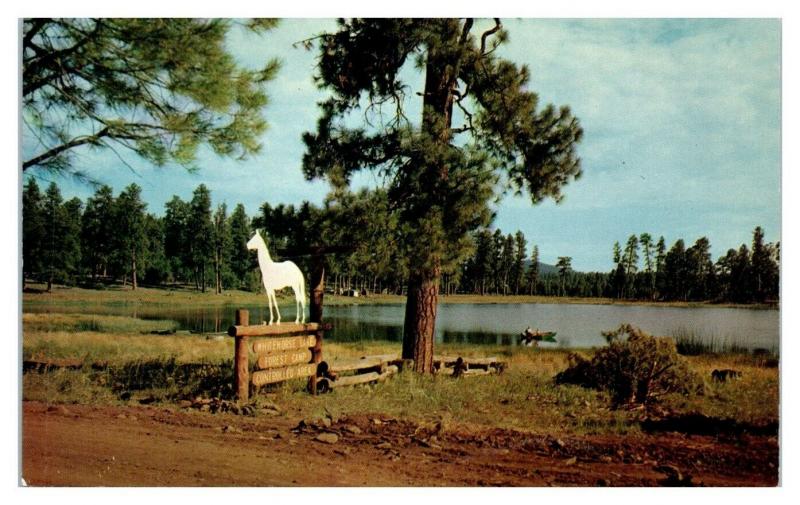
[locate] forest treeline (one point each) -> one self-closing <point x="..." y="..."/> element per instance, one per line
<point x="112" y="238"/>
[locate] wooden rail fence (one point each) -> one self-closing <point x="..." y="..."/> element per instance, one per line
<point x="367" y="369"/>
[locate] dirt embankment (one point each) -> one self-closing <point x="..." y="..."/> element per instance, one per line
<point x="78" y="445"/>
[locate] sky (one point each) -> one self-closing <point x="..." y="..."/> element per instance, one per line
<point x="681" y="120"/>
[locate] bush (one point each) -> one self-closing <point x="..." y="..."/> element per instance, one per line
<point x="636" y="369"/>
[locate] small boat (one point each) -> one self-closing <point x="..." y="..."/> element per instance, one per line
<point x="532" y="337"/>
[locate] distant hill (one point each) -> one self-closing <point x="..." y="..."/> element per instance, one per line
<point x="544" y="268"/>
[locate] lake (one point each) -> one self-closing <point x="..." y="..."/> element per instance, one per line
<point x="577" y="325"/>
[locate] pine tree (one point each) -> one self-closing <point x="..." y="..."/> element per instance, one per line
<point x="618" y="280"/>
<point x="742" y="276"/>
<point x="154" y="260"/>
<point x="764" y="268"/>
<point x="440" y="185"/>
<point x="618" y="275"/>
<point x="507" y="263"/>
<point x="631" y="260"/>
<point x="240" y="259"/>
<point x="54" y="233"/>
<point x="160" y="88"/>
<point x="700" y="269"/>
<point x="497" y="261"/>
<point x="200" y="236"/>
<point x="532" y="275"/>
<point x="34" y="229"/>
<point x="71" y="241"/>
<point x="661" y="254"/>
<point x="61" y="241"/>
<point x="131" y="242"/>
<point x="724" y="270"/>
<point x="564" y="266"/>
<point x="520" y="255"/>
<point x="484" y="255"/>
<point x="97" y="231"/>
<point x="222" y="240"/>
<point x="177" y="237"/>
<point x="631" y="257"/>
<point x="646" y="240"/>
<point x="676" y="272"/>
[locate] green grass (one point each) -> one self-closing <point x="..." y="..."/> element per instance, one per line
<point x="177" y="297"/>
<point x="517" y="399"/>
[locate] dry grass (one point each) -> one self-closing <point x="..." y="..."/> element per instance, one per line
<point x="48" y="322"/>
<point x="118" y="295"/>
<point x="113" y="339"/>
<point x="524" y="397"/>
<point x="754" y="398"/>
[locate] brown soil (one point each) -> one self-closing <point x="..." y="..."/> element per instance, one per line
<point x="78" y="445"/>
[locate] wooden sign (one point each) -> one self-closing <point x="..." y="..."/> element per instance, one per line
<point x="281" y="374"/>
<point x="280" y="359"/>
<point x="284" y="344"/>
<point x="284" y="354"/>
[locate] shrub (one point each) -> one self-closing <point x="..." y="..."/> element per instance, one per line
<point x="636" y="369"/>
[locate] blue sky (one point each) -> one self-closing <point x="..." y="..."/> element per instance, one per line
<point x="681" y="119"/>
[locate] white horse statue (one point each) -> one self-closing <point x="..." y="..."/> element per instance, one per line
<point x="278" y="275"/>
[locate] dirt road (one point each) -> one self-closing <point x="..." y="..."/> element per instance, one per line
<point x="78" y="445"/>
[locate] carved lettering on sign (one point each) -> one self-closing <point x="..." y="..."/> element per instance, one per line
<point x="284" y="344"/>
<point x="280" y="359"/>
<point x="281" y="374"/>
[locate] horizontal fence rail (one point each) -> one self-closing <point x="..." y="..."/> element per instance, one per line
<point x="272" y="330"/>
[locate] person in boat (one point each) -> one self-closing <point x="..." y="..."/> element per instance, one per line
<point x="529" y="337"/>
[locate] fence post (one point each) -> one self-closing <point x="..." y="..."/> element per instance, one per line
<point x="241" y="360"/>
<point x="317" y="282"/>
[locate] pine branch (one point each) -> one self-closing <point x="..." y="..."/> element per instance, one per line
<point x="87" y="139"/>
<point x="47" y="60"/>
<point x="497" y="27"/>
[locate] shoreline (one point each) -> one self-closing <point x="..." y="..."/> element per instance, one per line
<point x="181" y="296"/>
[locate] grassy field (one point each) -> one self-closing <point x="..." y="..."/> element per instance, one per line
<point x="140" y="367"/>
<point x="118" y="295"/>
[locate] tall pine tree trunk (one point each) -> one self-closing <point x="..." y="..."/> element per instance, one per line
<point x="217" y="272"/>
<point x="420" y="320"/>
<point x="134" y="282"/>
<point x="441" y="72"/>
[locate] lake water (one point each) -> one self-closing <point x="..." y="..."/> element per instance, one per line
<point x="576" y="325"/>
